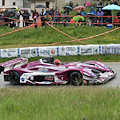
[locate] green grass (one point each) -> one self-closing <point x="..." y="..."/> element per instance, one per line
<point x="60" y="103"/>
<point x="48" y="35"/>
<point x="103" y="58"/>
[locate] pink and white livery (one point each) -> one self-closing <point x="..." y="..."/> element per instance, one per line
<point x="44" y="71"/>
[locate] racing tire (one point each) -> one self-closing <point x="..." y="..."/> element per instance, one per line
<point x="76" y="78"/>
<point x="14" y="77"/>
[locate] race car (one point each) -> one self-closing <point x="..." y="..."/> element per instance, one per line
<point x="45" y="71"/>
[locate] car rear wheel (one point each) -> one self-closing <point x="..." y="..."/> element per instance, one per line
<point x="14" y="77"/>
<point x="76" y="78"/>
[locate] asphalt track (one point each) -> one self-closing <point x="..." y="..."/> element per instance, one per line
<point x="115" y="82"/>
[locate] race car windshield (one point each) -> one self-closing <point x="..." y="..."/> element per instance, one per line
<point x="48" y="60"/>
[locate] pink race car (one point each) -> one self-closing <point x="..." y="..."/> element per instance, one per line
<point x="44" y="71"/>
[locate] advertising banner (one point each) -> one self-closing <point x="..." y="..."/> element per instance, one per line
<point x="8" y="53"/>
<point x="49" y="51"/>
<point x="110" y="49"/>
<point x="89" y="50"/>
<point x="68" y="50"/>
<point x="60" y="51"/>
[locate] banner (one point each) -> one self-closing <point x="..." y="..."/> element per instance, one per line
<point x="110" y="49"/>
<point x="89" y="50"/>
<point x="68" y="50"/>
<point x="60" y="51"/>
<point x="8" y="53"/>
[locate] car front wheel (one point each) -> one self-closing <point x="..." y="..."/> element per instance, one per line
<point x="76" y="78"/>
<point x="14" y="77"/>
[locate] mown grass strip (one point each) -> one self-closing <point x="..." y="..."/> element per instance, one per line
<point x="60" y="102"/>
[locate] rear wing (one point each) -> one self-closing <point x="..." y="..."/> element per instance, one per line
<point x="13" y="64"/>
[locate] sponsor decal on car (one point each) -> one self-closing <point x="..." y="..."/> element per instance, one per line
<point x="49" y="78"/>
<point x="22" y="79"/>
<point x="60" y="77"/>
<point x="43" y="69"/>
<point x="46" y="82"/>
<point x="93" y="74"/>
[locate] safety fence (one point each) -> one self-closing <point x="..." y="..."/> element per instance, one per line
<point x="63" y="19"/>
<point x="60" y="51"/>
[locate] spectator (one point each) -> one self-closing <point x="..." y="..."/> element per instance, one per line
<point x="57" y="15"/>
<point x="42" y="16"/>
<point x="42" y="13"/>
<point x="76" y="5"/>
<point x="111" y="2"/>
<point x="115" y="2"/>
<point x="71" y="4"/>
<point x="47" y="18"/>
<point x="82" y="12"/>
<point x="66" y="12"/>
<point x="6" y="15"/>
<point x="92" y="10"/>
<point x="118" y="14"/>
<point x="67" y="18"/>
<point x="78" y="12"/>
<point x="109" y="20"/>
<point x="116" y="22"/>
<point x="26" y="16"/>
<point x="106" y="3"/>
<point x="12" y="22"/>
<point x="78" y="20"/>
<point x="17" y="16"/>
<point x="51" y="12"/>
<point x="100" y="19"/>
<point x="99" y="3"/>
<point x="47" y="11"/>
<point x="35" y="15"/>
<point x="93" y="18"/>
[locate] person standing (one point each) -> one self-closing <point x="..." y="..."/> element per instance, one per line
<point x="6" y="17"/>
<point x="76" y="5"/>
<point x="71" y="4"/>
<point x="112" y="2"/>
<point x="99" y="3"/>
<point x="27" y="18"/>
<point x="115" y="2"/>
<point x="47" y="18"/>
<point x="17" y="16"/>
<point x="51" y="13"/>
<point x="35" y="16"/>
<point x="118" y="14"/>
<point x="67" y="18"/>
<point x="47" y="11"/>
<point x="57" y="15"/>
<point x="42" y="17"/>
<point x="106" y="3"/>
<point x="100" y="19"/>
<point x="82" y="12"/>
<point x="93" y="18"/>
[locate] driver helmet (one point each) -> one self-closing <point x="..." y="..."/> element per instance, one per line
<point x="57" y="62"/>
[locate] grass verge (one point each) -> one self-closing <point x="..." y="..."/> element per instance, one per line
<point x="60" y="103"/>
<point x="103" y="58"/>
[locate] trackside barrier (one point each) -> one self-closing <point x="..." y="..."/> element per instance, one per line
<point x="63" y="16"/>
<point x="60" y="51"/>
